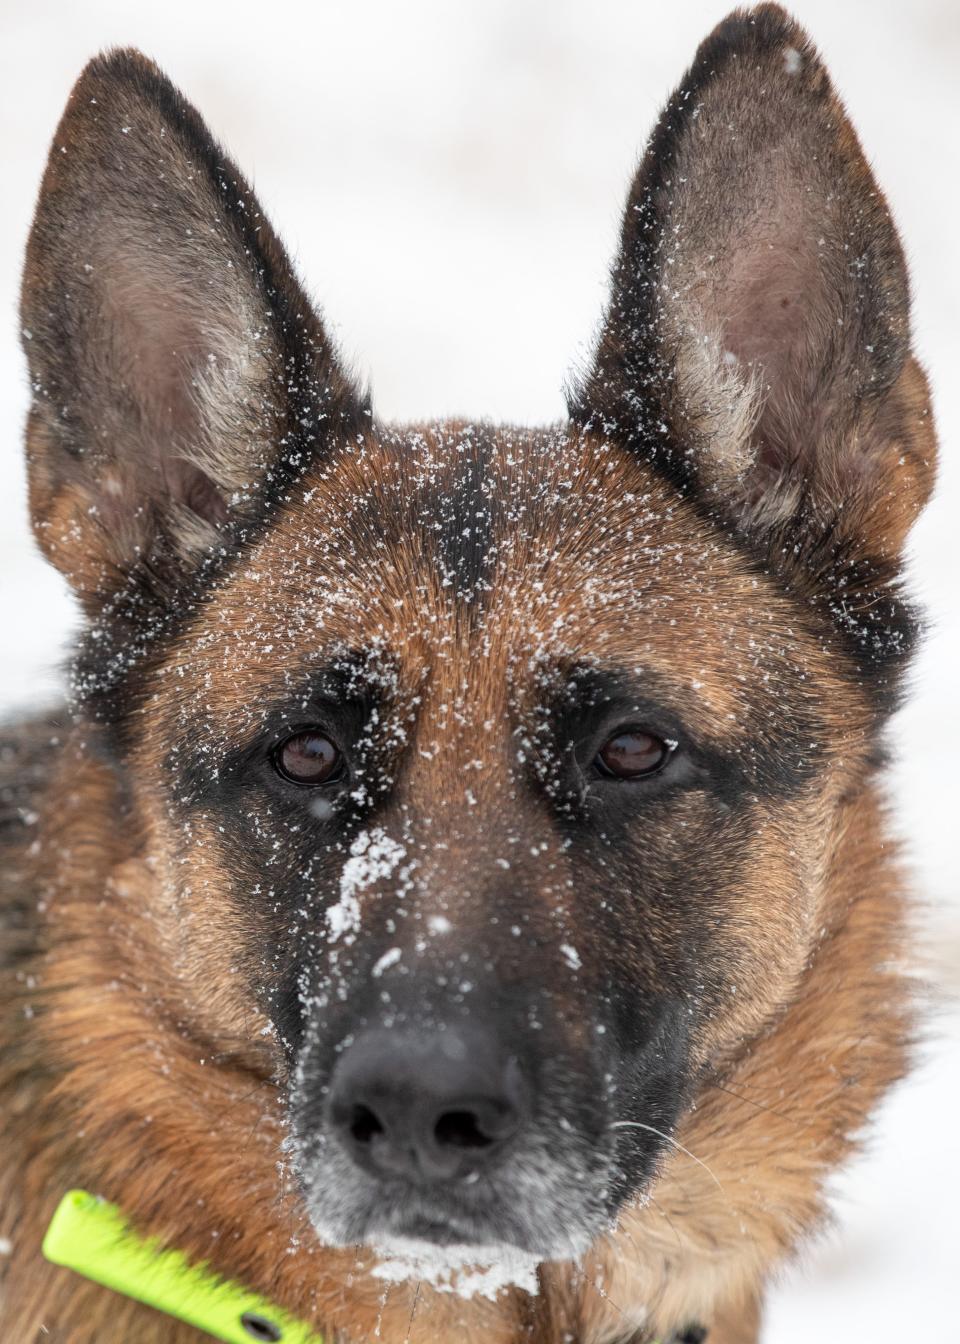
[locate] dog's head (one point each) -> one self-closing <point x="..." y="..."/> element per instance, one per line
<point x="495" y="773"/>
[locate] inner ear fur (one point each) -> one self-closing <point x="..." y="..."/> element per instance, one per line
<point x="178" y="371"/>
<point x="756" y="341"/>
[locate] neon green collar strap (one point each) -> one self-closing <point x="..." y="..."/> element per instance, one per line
<point x="93" y="1238"/>
<point x="90" y="1236"/>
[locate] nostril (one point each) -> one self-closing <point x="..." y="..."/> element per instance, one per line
<point x="409" y="1106"/>
<point x="364" y="1124"/>
<point x="460" y="1129"/>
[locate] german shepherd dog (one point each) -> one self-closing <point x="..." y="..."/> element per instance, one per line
<point x="462" y="837"/>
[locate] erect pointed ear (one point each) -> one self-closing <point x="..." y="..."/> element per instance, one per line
<point x="179" y="374"/>
<point x="757" y="336"/>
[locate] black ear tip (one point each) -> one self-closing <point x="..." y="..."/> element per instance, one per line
<point x="769" y="17"/>
<point x="767" y="22"/>
<point x="119" y="65"/>
<point x="119" y="73"/>
<point x="122" y="85"/>
<point x="755" y="32"/>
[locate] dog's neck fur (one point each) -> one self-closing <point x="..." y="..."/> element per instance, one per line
<point x="186" y="1136"/>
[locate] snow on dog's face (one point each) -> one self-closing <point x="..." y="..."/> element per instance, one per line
<point x="500" y="762"/>
<point x="493" y="773"/>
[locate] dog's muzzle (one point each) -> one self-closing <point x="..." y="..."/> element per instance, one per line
<point x="498" y="1126"/>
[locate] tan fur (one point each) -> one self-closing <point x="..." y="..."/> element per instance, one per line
<point x="136" y="1061"/>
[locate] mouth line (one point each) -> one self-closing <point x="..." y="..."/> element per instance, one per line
<point x="435" y="1231"/>
<point x="433" y="1228"/>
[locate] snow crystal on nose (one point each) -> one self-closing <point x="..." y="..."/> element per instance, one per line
<point x="571" y="956"/>
<point x="373" y="856"/>
<point x="389" y="958"/>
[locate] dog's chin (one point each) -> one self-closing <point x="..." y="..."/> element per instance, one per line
<point x="426" y="1235"/>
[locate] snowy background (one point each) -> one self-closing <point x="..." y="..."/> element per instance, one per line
<point x="450" y="178"/>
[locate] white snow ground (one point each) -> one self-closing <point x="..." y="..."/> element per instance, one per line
<point x="451" y="177"/>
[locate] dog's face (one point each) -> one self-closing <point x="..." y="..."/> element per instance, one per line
<point x="493" y="773"/>
<point x="488" y="740"/>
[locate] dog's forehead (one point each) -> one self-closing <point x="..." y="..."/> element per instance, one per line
<point x="484" y="546"/>
<point x="553" y="520"/>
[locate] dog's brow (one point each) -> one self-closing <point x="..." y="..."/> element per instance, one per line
<point x="343" y="682"/>
<point x="357" y="676"/>
<point x="582" y="684"/>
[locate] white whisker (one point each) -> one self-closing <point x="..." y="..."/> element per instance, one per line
<point x="635" y="1124"/>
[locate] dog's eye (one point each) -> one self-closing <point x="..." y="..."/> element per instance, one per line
<point x="308" y="757"/>
<point x="633" y="754"/>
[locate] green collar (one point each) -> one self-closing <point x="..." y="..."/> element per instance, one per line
<point x="90" y="1236"/>
<point x="93" y="1238"/>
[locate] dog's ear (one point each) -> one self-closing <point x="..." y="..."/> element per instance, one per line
<point x="178" y="371"/>
<point x="757" y="336"/>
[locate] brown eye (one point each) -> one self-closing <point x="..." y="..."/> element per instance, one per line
<point x="632" y="755"/>
<point x="309" y="758"/>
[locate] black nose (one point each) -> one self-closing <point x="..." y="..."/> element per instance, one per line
<point x="437" y="1106"/>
